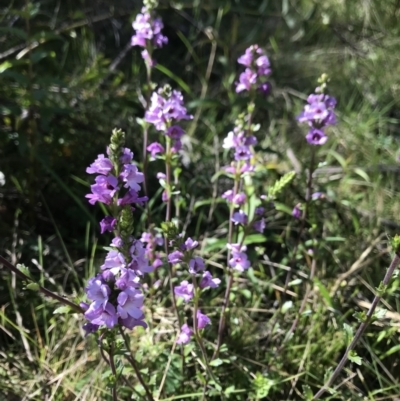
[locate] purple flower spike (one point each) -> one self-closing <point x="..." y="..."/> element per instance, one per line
<point x="163" y="111"/>
<point x="202" y="320"/>
<point x="185" y="335"/>
<point x="185" y="291"/>
<point x="318" y="114"/>
<point x="257" y="69"/>
<point x="148" y="29"/>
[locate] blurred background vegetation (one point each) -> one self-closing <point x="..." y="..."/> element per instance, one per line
<point x="68" y="76"/>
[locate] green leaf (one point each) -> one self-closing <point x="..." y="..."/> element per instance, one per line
<point x="33" y="286"/>
<point x="379" y="314"/>
<point x="286" y="306"/>
<point x="349" y="332"/>
<point x="15" y="31"/>
<point x="62" y="310"/>
<point x="171" y="75"/>
<point x="353" y="357"/>
<point x="216" y="362"/>
<point x="307" y="392"/>
<point x="23" y="269"/>
<point x="324" y="292"/>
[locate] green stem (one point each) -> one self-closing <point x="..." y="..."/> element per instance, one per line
<point x="132" y="361"/>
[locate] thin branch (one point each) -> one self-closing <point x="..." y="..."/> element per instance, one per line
<point x="361" y="329"/>
<point x="43" y="290"/>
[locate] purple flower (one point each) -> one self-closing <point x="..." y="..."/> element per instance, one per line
<point x="155" y="148"/>
<point x="264" y="88"/>
<point x="317" y="195"/>
<point x="127" y="156"/>
<point x="107" y="224"/>
<point x="239" y="199"/>
<point x="117" y="242"/>
<point x="132" y="177"/>
<point x="259" y="211"/>
<point x="108" y="276"/>
<point x="190" y="244"/>
<point x="196" y="265"/>
<point x="246" y="80"/>
<point x="128" y="278"/>
<point x="175" y="132"/>
<point x="131" y="322"/>
<point x="114" y="260"/>
<point x="131" y="197"/>
<point x="185" y="335"/>
<point x="98" y="291"/>
<point x="316" y="137"/>
<point x="239" y="217"/>
<point x="209" y="281"/>
<point x="101" y="165"/>
<point x="230" y="141"/>
<point x="202" y="320"/>
<point x="90" y="328"/>
<point x="147" y="58"/>
<point x="130" y="302"/>
<point x="185" y="291"/>
<point x="99" y="315"/>
<point x="239" y="261"/>
<point x="259" y="225"/>
<point x="243" y="153"/>
<point x="296" y="212"/>
<point x="175" y="257"/>
<point x="103" y="190"/>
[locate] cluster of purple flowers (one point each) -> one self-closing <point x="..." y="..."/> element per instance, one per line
<point x="116" y="293"/>
<point x="200" y="279"/>
<point x="108" y="184"/>
<point x="166" y="109"/>
<point x="148" y="33"/>
<point x="241" y="142"/>
<point x="318" y="113"/>
<point x="258" y="68"/>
